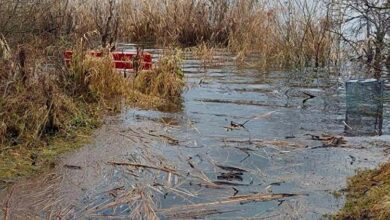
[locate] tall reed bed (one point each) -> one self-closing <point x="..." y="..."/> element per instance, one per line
<point x="285" y="34"/>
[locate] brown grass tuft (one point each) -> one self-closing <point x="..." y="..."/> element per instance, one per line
<point x="368" y="195"/>
<point x="165" y="81"/>
<point x="97" y="80"/>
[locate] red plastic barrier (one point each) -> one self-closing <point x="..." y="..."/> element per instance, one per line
<point x="121" y="60"/>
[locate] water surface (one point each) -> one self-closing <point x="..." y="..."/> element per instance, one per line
<point x="192" y="146"/>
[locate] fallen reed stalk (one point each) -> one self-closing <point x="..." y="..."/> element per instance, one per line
<point x="187" y="211"/>
<point x="165" y="169"/>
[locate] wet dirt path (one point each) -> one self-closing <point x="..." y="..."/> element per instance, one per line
<point x="238" y="149"/>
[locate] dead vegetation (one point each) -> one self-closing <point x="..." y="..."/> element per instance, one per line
<point x="96" y="80"/>
<point x="208" y="208"/>
<point x="46" y="109"/>
<point x="165" y="81"/>
<point x="165" y="169"/>
<point x="329" y="140"/>
<point x="368" y="195"/>
<point x="139" y="199"/>
<point x="165" y="181"/>
<point x="284" y="34"/>
<point x="43" y="102"/>
<point x="262" y="143"/>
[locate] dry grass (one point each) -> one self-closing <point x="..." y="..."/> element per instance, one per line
<point x="282" y="35"/>
<point x="44" y="107"/>
<point x="206" y="53"/>
<point x="33" y="102"/>
<point x="368" y="195"/>
<point x="97" y="80"/>
<point x="141" y="201"/>
<point x="36" y="109"/>
<point x="245" y="27"/>
<point x="178" y="22"/>
<point x="165" y="81"/>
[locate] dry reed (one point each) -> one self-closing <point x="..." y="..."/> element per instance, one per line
<point x="42" y="101"/>
<point x="282" y="35"/>
<point x="165" y="81"/>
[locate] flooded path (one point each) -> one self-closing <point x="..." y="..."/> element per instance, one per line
<point x="242" y="147"/>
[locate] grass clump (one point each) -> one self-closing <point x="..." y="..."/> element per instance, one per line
<point x="205" y="53"/>
<point x="38" y="109"/>
<point x="97" y="81"/>
<point x="165" y="81"/>
<point x="368" y="195"/>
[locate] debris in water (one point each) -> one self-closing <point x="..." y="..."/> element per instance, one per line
<point x="190" y="162"/>
<point x="236" y="191"/>
<point x="197" y="214"/>
<point x="114" y="192"/>
<point x="276" y="183"/>
<point x="72" y="167"/>
<point x="230" y="168"/>
<point x="261" y="143"/>
<point x="209" y="185"/>
<point x="347" y="126"/>
<point x="314" y="137"/>
<point x="231" y="176"/>
<point x="169" y="139"/>
<point x="281" y="201"/>
<point x="188" y="211"/>
<point x="310" y="97"/>
<point x="246" y="150"/>
<point x="231" y="183"/>
<point x="333" y="141"/>
<point x="353" y="159"/>
<point x="269" y="188"/>
<point x="237" y="126"/>
<point x="329" y="141"/>
<point x="165" y="169"/>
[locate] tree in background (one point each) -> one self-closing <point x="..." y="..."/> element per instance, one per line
<point x="365" y="26"/>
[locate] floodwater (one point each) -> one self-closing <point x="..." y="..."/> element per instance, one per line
<point x="196" y="162"/>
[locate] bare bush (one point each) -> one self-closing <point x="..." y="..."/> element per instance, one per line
<point x="364" y="27"/>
